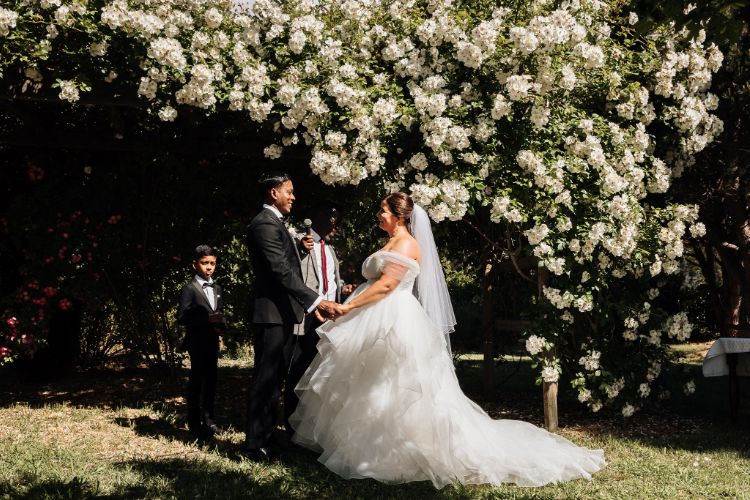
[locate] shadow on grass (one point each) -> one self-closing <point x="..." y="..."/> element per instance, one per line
<point x="74" y="489"/>
<point x="298" y="477"/>
<point x="699" y="422"/>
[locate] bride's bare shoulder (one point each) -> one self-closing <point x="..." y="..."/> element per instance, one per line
<point x="408" y="246"/>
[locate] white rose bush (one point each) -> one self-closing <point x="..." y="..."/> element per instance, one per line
<point x="555" y="118"/>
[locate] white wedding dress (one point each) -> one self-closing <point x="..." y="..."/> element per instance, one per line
<point x="381" y="400"/>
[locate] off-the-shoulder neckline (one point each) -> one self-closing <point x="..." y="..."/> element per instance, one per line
<point x="399" y="254"/>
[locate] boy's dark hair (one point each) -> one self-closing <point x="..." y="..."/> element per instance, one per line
<point x="203" y="251"/>
<point x="270" y="180"/>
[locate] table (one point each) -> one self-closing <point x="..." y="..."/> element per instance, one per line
<point x="729" y="356"/>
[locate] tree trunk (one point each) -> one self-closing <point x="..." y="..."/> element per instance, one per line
<point x="742" y="223"/>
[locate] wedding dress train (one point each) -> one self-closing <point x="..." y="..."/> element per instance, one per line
<point x="381" y="400"/>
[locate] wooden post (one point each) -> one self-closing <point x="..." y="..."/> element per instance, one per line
<point x="549" y="394"/>
<point x="549" y="389"/>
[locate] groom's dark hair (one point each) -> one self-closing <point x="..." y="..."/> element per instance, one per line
<point x="269" y="180"/>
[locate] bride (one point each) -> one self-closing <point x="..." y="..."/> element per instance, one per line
<point x="381" y="399"/>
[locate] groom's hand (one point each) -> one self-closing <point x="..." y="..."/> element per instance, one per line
<point x="328" y="309"/>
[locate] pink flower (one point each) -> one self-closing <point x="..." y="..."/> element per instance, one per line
<point x="12" y="321"/>
<point x="50" y="291"/>
<point x="75" y="258"/>
<point x="4" y="351"/>
<point x="35" y="173"/>
<point x="64" y="304"/>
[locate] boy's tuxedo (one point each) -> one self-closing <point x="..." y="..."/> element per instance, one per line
<point x="193" y="314"/>
<point x="202" y="344"/>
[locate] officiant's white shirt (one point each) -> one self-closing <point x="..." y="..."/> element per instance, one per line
<point x="330" y="276"/>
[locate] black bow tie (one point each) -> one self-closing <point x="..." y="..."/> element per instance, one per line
<point x="208" y="284"/>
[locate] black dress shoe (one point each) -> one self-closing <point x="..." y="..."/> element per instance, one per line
<point x="257" y="454"/>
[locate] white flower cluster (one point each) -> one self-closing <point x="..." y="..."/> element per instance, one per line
<point x="551" y="373"/>
<point x="590" y="362"/>
<point x="628" y="410"/>
<point x="689" y="388"/>
<point x="443" y="199"/>
<point x="8" y="19"/>
<point x="535" y="345"/>
<point x="613" y="389"/>
<point x="565" y="299"/>
<point x="678" y="327"/>
<point x="69" y="91"/>
<point x="503" y="208"/>
<point x="653" y="371"/>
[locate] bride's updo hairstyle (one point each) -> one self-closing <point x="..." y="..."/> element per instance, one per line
<point x="400" y="204"/>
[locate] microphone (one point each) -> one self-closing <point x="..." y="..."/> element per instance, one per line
<point x="308" y="226"/>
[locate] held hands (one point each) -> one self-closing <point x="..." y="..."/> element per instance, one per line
<point x="328" y="310"/>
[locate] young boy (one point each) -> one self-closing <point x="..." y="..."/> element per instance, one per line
<point x="200" y="311"/>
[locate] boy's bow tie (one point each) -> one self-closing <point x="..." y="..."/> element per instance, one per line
<point x="208" y="284"/>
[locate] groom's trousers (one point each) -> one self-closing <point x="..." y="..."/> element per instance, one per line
<point x="271" y="365"/>
<point x="301" y="351"/>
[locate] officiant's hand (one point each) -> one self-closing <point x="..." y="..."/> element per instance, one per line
<point x="307" y="243"/>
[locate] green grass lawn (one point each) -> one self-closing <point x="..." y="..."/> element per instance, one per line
<point x="121" y="433"/>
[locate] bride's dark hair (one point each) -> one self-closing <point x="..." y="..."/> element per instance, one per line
<point x="400" y="205"/>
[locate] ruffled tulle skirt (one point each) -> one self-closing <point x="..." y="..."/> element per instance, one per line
<point x="381" y="400"/>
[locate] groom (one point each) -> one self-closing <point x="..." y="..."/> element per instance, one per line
<point x="281" y="300"/>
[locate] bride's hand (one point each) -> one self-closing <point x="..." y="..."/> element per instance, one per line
<point x="345" y="309"/>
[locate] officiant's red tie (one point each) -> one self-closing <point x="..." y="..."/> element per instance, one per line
<point x="323" y="265"/>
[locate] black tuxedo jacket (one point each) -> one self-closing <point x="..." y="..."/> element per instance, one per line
<point x="193" y="314"/>
<point x="281" y="296"/>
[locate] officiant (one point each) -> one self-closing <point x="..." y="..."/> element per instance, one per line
<point x="320" y="272"/>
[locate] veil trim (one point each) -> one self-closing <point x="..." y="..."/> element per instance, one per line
<point x="430" y="287"/>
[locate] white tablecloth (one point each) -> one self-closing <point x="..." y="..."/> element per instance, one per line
<point x="715" y="363"/>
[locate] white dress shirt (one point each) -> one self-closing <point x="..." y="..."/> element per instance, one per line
<point x="209" y="291"/>
<point x="274" y="210"/>
<point x="330" y="276"/>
